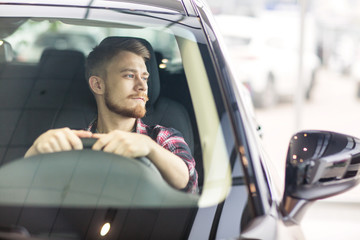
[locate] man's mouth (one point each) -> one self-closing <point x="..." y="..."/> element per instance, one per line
<point x="143" y="98"/>
<point x="139" y="98"/>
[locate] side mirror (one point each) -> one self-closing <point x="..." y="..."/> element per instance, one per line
<point x="319" y="164"/>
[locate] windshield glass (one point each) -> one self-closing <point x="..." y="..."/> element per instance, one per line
<point x="43" y="86"/>
<point x="52" y="101"/>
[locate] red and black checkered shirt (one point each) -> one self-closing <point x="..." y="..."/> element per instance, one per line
<point x="171" y="140"/>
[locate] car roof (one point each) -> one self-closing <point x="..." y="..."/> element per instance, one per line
<point x="164" y="6"/>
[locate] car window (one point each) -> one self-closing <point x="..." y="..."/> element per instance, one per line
<point x="41" y="105"/>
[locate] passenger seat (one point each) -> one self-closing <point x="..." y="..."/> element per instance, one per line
<point x="50" y="99"/>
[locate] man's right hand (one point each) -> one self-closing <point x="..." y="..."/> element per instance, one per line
<point x="56" y="140"/>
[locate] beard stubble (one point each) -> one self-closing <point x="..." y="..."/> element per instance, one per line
<point x="138" y="111"/>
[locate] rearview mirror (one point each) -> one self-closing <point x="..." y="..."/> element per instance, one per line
<point x="319" y="164"/>
<point x="6" y="52"/>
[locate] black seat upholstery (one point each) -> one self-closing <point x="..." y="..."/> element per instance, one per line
<point x="35" y="105"/>
<point x="165" y="111"/>
<point x="14" y="89"/>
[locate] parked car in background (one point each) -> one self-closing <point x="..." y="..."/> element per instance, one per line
<point x="89" y="194"/>
<point x="265" y="51"/>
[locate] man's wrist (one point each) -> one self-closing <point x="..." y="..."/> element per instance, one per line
<point x="152" y="147"/>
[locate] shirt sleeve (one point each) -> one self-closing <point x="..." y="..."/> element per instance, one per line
<point x="173" y="141"/>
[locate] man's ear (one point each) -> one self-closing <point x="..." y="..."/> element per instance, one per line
<point x="97" y="84"/>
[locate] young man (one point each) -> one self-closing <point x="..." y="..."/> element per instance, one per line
<point x="118" y="77"/>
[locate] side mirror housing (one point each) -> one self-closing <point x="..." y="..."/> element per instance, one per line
<point x="319" y="164"/>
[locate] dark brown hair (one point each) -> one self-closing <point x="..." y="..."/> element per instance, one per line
<point x="102" y="54"/>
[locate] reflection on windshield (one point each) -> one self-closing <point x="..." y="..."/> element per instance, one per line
<point x="56" y="34"/>
<point x="80" y="179"/>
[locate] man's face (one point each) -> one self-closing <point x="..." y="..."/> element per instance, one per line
<point x="126" y="85"/>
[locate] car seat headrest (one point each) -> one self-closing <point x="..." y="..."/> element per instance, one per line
<point x="60" y="65"/>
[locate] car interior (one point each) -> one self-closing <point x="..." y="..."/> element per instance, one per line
<point x="53" y="93"/>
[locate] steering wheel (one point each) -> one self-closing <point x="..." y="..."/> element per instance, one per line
<point x="87" y="178"/>
<point x="89" y="142"/>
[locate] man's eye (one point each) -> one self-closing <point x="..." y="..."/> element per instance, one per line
<point x="145" y="78"/>
<point x="130" y="75"/>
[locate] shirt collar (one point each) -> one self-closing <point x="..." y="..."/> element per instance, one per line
<point x="140" y="126"/>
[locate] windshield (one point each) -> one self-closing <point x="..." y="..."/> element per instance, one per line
<point x="42" y="89"/>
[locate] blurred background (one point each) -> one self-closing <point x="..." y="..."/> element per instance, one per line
<point x="266" y="40"/>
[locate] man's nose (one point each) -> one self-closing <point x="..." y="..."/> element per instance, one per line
<point x="141" y="84"/>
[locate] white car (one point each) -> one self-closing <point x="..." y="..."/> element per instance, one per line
<point x="265" y="51"/>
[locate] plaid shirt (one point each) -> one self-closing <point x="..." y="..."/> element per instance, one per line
<point x="171" y="140"/>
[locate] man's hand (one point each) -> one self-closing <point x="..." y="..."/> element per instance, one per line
<point x="132" y="145"/>
<point x="127" y="144"/>
<point x="56" y="140"/>
<point x="123" y="143"/>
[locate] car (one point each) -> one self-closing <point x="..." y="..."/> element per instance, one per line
<point x="265" y="51"/>
<point x="86" y="194"/>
